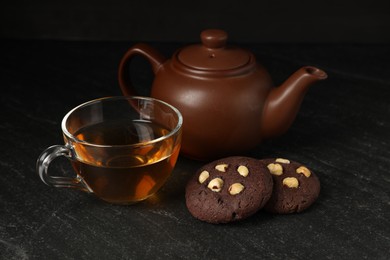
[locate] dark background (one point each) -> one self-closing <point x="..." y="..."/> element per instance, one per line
<point x="56" y="55"/>
<point x="353" y="21"/>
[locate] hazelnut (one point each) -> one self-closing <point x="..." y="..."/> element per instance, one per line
<point x="235" y="188"/>
<point x="215" y="184"/>
<point x="275" y="168"/>
<point x="281" y="160"/>
<point x="221" y="167"/>
<point x="291" y="182"/>
<point x="303" y="170"/>
<point x="203" y="176"/>
<point x="243" y="170"/>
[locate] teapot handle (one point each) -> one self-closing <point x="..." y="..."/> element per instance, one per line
<point x="152" y="55"/>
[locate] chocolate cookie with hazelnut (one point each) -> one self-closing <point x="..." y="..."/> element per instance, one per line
<point x="295" y="186"/>
<point x="228" y="189"/>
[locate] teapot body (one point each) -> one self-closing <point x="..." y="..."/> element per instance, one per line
<point x="222" y="115"/>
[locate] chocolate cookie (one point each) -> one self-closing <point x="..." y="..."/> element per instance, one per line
<point x="228" y="189"/>
<point x="295" y="187"/>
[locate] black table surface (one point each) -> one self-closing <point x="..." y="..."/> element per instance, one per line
<point x="342" y="132"/>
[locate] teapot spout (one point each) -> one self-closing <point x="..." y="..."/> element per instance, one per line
<point x="282" y="103"/>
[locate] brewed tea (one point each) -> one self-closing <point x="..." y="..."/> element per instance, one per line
<point x="132" y="175"/>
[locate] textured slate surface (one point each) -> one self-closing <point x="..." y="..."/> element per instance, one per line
<point x="342" y="132"/>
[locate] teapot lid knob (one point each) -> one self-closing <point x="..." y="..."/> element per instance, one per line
<point x="214" y="54"/>
<point x="213" y="38"/>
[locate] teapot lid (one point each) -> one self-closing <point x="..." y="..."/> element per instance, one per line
<point x="213" y="54"/>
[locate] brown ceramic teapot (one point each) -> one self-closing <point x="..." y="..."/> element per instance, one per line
<point x="227" y="100"/>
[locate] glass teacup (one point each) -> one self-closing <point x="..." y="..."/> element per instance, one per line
<point x="123" y="149"/>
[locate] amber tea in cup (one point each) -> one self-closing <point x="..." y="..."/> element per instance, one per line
<point x="123" y="149"/>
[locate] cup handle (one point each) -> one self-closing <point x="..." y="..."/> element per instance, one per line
<point x="42" y="166"/>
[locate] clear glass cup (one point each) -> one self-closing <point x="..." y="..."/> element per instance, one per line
<point x="123" y="149"/>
